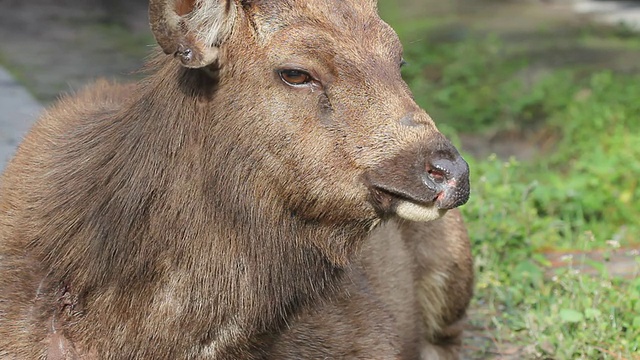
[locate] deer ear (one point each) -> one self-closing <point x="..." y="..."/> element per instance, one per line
<point x="192" y="30"/>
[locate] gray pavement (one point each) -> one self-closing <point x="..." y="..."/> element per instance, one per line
<point x="625" y="13"/>
<point x="18" y="111"/>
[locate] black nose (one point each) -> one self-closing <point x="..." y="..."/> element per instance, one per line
<point x="448" y="179"/>
<point x="430" y="175"/>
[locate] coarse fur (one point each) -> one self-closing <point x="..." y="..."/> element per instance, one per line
<point x="213" y="211"/>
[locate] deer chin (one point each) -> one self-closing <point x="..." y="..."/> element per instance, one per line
<point x="417" y="212"/>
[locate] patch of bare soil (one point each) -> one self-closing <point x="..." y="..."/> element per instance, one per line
<point x="522" y="144"/>
<point x="617" y="262"/>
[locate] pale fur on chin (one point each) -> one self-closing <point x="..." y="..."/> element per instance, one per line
<point x="429" y="352"/>
<point x="414" y="212"/>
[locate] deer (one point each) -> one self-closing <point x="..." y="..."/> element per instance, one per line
<point x="269" y="190"/>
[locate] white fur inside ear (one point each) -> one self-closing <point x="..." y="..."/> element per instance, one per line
<point x="212" y="22"/>
<point x="414" y="212"/>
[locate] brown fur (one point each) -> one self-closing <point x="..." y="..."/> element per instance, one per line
<point x="220" y="213"/>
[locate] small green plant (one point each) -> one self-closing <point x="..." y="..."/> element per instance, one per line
<point x="596" y="164"/>
<point x="570" y="315"/>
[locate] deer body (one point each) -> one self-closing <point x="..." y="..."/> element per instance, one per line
<point x="220" y="209"/>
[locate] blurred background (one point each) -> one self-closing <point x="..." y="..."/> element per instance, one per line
<point x="543" y="96"/>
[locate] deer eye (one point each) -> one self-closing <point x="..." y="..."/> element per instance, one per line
<point x="295" y="77"/>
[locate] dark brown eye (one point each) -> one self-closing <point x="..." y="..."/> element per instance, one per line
<point x="295" y="77"/>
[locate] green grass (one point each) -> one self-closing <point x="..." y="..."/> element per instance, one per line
<point x="565" y="314"/>
<point x="16" y="72"/>
<point x="581" y="193"/>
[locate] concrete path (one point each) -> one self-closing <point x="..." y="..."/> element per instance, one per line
<point x="625" y="13"/>
<point x="18" y="111"/>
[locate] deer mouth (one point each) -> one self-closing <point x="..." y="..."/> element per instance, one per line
<point x="390" y="202"/>
<point x="419" y="190"/>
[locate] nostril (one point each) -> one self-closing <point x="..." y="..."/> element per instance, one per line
<point x="438" y="175"/>
<point x="441" y="170"/>
<point x="447" y="180"/>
